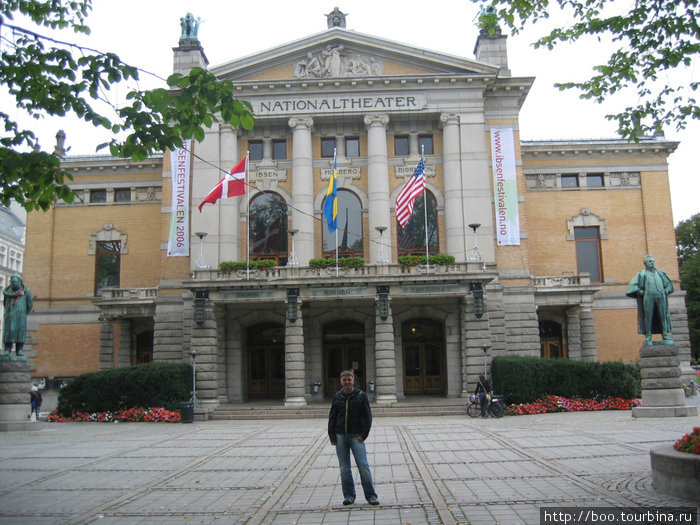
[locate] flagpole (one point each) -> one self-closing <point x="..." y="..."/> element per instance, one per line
<point x="425" y="209"/>
<point x="247" y="212"/>
<point x="335" y="161"/>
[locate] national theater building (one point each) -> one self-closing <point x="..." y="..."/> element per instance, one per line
<point x="545" y="235"/>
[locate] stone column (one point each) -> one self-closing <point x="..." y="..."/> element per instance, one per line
<point x="589" y="349"/>
<point x="15" y="382"/>
<point x="294" y="367"/>
<point x="302" y="189"/>
<point x="205" y="343"/>
<point x="662" y="391"/>
<point x="106" y="358"/>
<point x="378" y="182"/>
<point x="573" y="332"/>
<point x="385" y="356"/>
<point x="454" y="221"/>
<point x="124" y="358"/>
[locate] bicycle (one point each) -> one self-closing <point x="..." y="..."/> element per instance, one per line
<point x="495" y="407"/>
<point x="692" y="388"/>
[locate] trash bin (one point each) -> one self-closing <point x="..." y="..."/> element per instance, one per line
<point x="187" y="412"/>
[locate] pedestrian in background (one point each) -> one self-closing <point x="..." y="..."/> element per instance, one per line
<point x="36" y="403"/>
<point x="349" y="423"/>
<point x="482" y="390"/>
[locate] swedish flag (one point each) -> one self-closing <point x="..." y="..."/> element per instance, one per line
<point x="330" y="205"/>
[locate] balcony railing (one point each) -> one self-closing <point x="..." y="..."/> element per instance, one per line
<point x="282" y="273"/>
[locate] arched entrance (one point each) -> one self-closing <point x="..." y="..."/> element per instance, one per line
<point x="422" y="357"/>
<point x="343" y="348"/>
<point x="266" y="361"/>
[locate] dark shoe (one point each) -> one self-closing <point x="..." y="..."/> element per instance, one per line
<point x="373" y="501"/>
<point x="348" y="501"/>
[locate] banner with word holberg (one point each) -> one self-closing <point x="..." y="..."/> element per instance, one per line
<point x="505" y="187"/>
<point x="179" y="234"/>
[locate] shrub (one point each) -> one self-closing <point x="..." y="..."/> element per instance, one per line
<point x="158" y="384"/>
<point x="233" y="266"/>
<point x="435" y="259"/>
<point x="343" y="262"/>
<point x="525" y="379"/>
<point x="689" y="443"/>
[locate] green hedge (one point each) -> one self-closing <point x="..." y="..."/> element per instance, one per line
<point x="525" y="379"/>
<point x="158" y="384"/>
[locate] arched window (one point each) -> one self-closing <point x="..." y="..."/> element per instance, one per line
<point x="411" y="238"/>
<point x="268" y="228"/>
<point x="349" y="228"/>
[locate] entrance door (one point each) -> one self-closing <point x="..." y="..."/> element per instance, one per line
<point x="423" y="357"/>
<point x="343" y="348"/>
<point x="266" y="361"/>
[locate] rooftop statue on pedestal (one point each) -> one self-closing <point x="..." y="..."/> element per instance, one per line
<point x="190" y="27"/>
<point x="651" y="288"/>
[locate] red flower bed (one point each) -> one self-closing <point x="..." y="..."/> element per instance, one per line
<point x="689" y="443"/>
<point x="151" y="415"/>
<point x="561" y="404"/>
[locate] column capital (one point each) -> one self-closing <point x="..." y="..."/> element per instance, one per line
<point x="228" y="128"/>
<point x="376" y="120"/>
<point x="301" y="122"/>
<point x="448" y="119"/>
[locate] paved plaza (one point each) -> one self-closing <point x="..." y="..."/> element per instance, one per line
<point x="427" y="470"/>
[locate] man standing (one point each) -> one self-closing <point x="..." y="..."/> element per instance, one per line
<point x="651" y="288"/>
<point x="18" y="302"/>
<point x="349" y="423"/>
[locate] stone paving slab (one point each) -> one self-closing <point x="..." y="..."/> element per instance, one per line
<point x="427" y="470"/>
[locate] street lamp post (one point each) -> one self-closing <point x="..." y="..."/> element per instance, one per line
<point x="201" y="263"/>
<point x="485" y="348"/>
<point x="194" y="379"/>
<point x="381" y="259"/>
<point x="293" y="261"/>
<point x="476" y="255"/>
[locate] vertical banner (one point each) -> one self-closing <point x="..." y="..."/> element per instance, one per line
<point x="179" y="234"/>
<point x="505" y="187"/>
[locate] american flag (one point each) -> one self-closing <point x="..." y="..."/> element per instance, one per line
<point x="414" y="187"/>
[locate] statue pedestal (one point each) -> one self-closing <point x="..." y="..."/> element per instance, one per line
<point x="15" y="384"/>
<point x="662" y="390"/>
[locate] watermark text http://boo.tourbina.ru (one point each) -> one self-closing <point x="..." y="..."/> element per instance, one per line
<point x="617" y="515"/>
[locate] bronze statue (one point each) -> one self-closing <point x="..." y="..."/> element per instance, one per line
<point x="651" y="288"/>
<point x="18" y="303"/>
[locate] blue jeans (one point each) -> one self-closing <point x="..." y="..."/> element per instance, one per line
<point x="344" y="444"/>
<point x="484" y="403"/>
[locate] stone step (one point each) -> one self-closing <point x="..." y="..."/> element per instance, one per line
<point x="444" y="407"/>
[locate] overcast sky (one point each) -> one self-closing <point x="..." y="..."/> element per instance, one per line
<point x="144" y="32"/>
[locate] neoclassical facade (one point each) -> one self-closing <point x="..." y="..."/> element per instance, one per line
<point x="545" y="235"/>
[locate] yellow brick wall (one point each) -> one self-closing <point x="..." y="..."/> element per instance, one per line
<point x="616" y="335"/>
<point x="67" y="349"/>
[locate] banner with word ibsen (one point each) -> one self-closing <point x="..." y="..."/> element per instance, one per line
<point x="179" y="235"/>
<point x="505" y="187"/>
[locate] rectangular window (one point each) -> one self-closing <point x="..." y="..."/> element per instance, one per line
<point x="594" y="180"/>
<point x="352" y="147"/>
<point x="3" y="255"/>
<point x="401" y="145"/>
<point x="569" y="181"/>
<point x="425" y="144"/>
<point x="255" y="150"/>
<point x="107" y="262"/>
<point x="588" y="257"/>
<point x="327" y="147"/>
<point x="98" y="195"/>
<point x="279" y="149"/>
<point x="122" y="195"/>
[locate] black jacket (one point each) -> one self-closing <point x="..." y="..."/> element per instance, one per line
<point x="482" y="385"/>
<point x="350" y="414"/>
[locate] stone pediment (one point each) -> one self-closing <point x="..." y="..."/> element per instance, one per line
<point x="339" y="53"/>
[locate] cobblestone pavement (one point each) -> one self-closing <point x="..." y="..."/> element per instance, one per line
<point x="427" y="470"/>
